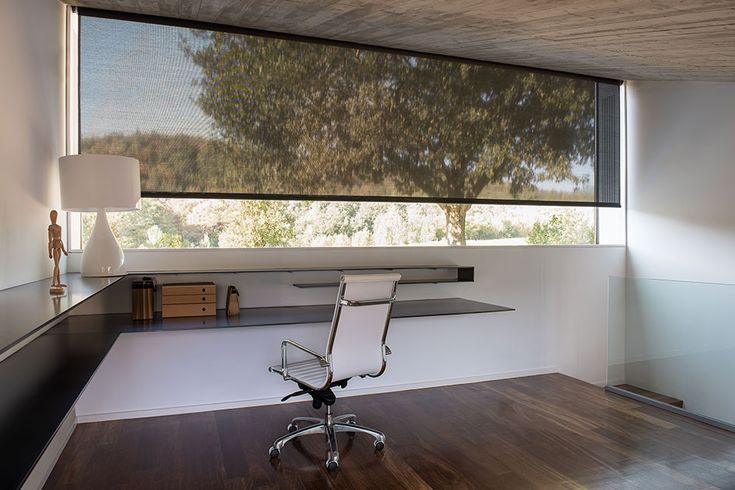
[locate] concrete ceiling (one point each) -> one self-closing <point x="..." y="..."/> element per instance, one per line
<point x="623" y="39"/>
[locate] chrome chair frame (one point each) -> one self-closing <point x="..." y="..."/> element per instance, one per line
<point x="331" y="424"/>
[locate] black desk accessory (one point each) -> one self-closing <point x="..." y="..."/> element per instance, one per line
<point x="233" y="301"/>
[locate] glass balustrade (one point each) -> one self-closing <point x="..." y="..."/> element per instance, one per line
<point x="674" y="341"/>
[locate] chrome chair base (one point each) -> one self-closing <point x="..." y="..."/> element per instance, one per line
<point x="329" y="427"/>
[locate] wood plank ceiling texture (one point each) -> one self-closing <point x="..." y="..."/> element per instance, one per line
<point x="622" y="39"/>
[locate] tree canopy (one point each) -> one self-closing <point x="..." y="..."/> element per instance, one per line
<point x="297" y="117"/>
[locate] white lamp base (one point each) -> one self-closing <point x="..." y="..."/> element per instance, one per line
<point x="102" y="255"/>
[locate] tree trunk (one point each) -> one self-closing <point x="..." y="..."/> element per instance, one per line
<point x="456" y="215"/>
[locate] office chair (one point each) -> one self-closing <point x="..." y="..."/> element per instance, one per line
<point x="355" y="347"/>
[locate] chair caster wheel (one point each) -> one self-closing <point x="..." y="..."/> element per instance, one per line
<point x="379" y="445"/>
<point x="274" y="452"/>
<point x="292" y="427"/>
<point x="332" y="465"/>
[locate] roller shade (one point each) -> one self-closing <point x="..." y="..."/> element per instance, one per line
<point x="214" y="111"/>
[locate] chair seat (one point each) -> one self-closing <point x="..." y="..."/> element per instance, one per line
<point x="310" y="372"/>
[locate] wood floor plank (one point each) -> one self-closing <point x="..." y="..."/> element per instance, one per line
<point x="547" y="431"/>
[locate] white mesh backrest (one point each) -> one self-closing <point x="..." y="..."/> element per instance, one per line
<point x="357" y="334"/>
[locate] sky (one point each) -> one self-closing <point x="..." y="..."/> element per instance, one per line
<point x="158" y="91"/>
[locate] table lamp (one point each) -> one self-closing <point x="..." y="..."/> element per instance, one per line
<point x="100" y="183"/>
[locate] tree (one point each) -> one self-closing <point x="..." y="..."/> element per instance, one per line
<point x="259" y="224"/>
<point x="562" y="229"/>
<point x="339" y="121"/>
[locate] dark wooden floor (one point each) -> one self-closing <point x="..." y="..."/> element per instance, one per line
<point x="537" y="432"/>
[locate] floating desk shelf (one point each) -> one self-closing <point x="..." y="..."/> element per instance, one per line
<point x="454" y="273"/>
<point x="26" y="309"/>
<point x="265" y="316"/>
<point x="463" y="271"/>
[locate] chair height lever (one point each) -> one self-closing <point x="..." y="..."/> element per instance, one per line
<point x="295" y="393"/>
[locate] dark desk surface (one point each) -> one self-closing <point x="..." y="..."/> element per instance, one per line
<point x="269" y="316"/>
<point x="27" y="308"/>
<point x="42" y="381"/>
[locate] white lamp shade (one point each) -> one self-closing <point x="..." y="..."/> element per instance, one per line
<point x="99" y="182"/>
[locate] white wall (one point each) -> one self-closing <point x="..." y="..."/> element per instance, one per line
<point x="681" y="227"/>
<point x="31" y="134"/>
<point x="681" y="202"/>
<point x="560" y="324"/>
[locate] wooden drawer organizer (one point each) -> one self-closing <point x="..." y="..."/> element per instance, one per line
<point x="189" y="299"/>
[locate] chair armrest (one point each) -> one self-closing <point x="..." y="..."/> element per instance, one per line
<point x="284" y="355"/>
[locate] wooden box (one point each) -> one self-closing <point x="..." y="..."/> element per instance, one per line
<point x="173" y="311"/>
<point x="188" y="299"/>
<point x="184" y="288"/>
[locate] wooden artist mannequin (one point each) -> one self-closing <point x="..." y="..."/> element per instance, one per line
<point x="55" y="249"/>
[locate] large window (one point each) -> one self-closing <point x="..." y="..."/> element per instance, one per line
<point x="238" y="130"/>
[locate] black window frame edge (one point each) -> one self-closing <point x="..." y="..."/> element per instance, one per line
<point x="212" y="26"/>
<point x="607" y="139"/>
<point x="358" y="198"/>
